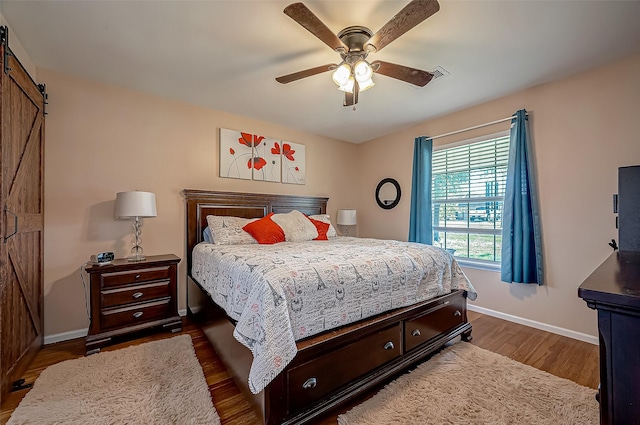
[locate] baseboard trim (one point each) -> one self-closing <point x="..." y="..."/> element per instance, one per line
<point x="65" y="336"/>
<point x="537" y="325"/>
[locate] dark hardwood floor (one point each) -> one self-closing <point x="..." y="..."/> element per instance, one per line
<point x="561" y="356"/>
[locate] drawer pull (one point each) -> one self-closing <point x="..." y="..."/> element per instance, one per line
<point x="138" y="314"/>
<point x="415" y="332"/>
<point x="309" y="383"/>
<point x="389" y="346"/>
<point x="457" y="313"/>
<point x="137" y="276"/>
<point x="137" y="295"/>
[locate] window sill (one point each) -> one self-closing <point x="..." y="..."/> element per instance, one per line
<point x="464" y="262"/>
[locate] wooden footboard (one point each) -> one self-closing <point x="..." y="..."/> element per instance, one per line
<point x="333" y="367"/>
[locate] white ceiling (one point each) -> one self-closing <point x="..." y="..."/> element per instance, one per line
<point x="225" y="55"/>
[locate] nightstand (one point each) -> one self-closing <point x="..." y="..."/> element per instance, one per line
<point x="131" y="296"/>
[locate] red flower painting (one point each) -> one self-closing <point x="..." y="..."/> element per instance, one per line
<point x="275" y="150"/>
<point x="288" y="152"/>
<point x="266" y="159"/>
<point x="293" y="157"/>
<point x="250" y="140"/>
<point x="256" y="163"/>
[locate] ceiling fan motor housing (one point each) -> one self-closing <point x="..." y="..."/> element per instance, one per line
<point x="355" y="37"/>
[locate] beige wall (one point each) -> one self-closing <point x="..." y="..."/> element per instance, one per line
<point x="583" y="128"/>
<point x="101" y="140"/>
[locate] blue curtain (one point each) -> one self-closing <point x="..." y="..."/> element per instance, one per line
<point x="420" y="219"/>
<point x="521" y="239"/>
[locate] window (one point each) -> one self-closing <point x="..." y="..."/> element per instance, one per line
<point x="468" y="198"/>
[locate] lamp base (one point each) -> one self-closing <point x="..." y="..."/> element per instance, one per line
<point x="136" y="258"/>
<point x="136" y="251"/>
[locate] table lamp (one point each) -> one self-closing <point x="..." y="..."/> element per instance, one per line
<point x="346" y="218"/>
<point x="136" y="205"/>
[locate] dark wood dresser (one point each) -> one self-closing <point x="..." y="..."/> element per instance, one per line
<point x="131" y="296"/>
<point x="614" y="290"/>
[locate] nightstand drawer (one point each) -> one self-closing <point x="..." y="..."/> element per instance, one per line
<point x="132" y="315"/>
<point x="134" y="276"/>
<point x="135" y="294"/>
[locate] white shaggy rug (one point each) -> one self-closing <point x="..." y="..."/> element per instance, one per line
<point x="467" y="385"/>
<point x="158" y="382"/>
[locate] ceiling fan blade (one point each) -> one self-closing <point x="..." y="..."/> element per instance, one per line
<point x="414" y="76"/>
<point x="305" y="17"/>
<point x="351" y="99"/>
<point x="306" y="73"/>
<point x="410" y="16"/>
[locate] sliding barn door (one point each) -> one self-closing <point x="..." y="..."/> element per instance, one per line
<point x="21" y="196"/>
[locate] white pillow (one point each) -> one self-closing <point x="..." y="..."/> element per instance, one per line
<point x="228" y="230"/>
<point x="296" y="226"/>
<point x="325" y="218"/>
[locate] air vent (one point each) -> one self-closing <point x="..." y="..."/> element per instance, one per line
<point x="440" y="72"/>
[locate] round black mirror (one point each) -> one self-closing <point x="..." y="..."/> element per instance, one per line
<point x="388" y="193"/>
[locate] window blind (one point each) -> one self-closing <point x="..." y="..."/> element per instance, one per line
<point x="468" y="193"/>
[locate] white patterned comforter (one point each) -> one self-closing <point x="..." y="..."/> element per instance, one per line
<point x="288" y="291"/>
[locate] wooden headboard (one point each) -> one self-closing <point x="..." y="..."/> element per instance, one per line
<point x="201" y="203"/>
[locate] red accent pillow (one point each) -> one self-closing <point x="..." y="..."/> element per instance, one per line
<point x="265" y="231"/>
<point x="322" y="229"/>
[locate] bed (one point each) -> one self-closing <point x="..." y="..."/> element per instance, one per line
<point x="329" y="366"/>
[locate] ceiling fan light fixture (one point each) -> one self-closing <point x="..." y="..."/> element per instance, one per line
<point x="348" y="86"/>
<point x="366" y="85"/>
<point x="362" y="71"/>
<point x="342" y="74"/>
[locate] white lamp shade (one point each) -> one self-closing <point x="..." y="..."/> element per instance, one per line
<point x="347" y="218"/>
<point x="135" y="204"/>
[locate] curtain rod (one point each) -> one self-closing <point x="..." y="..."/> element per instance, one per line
<point x="473" y="128"/>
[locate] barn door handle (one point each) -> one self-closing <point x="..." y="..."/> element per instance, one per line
<point x="15" y="223"/>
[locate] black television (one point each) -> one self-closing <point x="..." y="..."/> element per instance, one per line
<point x="629" y="208"/>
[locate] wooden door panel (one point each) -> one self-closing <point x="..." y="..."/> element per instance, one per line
<point x="16" y="130"/>
<point x="21" y="170"/>
<point x="21" y="247"/>
<point x="20" y="332"/>
<point x="23" y="250"/>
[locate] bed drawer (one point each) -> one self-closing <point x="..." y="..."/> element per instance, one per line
<point x="134" y="276"/>
<point x="442" y="318"/>
<point x="135" y="314"/>
<point x="314" y="380"/>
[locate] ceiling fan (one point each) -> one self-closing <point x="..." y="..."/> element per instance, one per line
<point x="353" y="74"/>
